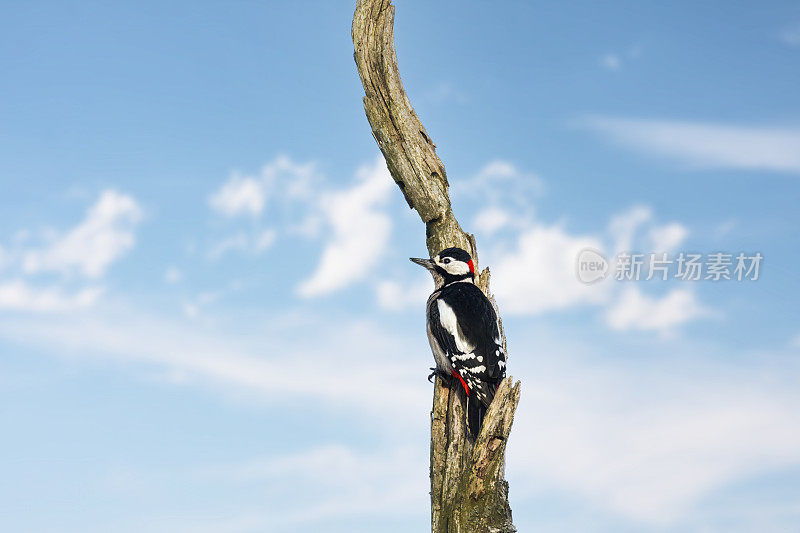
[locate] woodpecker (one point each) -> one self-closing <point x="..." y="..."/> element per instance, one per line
<point x="464" y="332"/>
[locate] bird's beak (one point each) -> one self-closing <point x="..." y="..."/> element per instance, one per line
<point x="427" y="263"/>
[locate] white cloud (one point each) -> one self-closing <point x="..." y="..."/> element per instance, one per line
<point x="634" y="310"/>
<point x="724" y="228"/>
<point x="283" y="191"/>
<point x="505" y="192"/>
<point x="623" y="227"/>
<point x="650" y="441"/>
<point x="539" y="273"/>
<point x="614" y="61"/>
<point x="388" y="482"/>
<point x="796" y="341"/>
<point x="253" y="243"/>
<point x="500" y="182"/>
<point x="359" y="232"/>
<point x="395" y="296"/>
<point x="105" y="235"/>
<point x="497" y="170"/>
<point x="199" y="302"/>
<point x="237" y="242"/>
<point x="647" y="441"/>
<point x="173" y="275"/>
<point x="281" y="180"/>
<point x="611" y="62"/>
<point x="503" y="175"/>
<point x="707" y="145"/>
<point x="17" y="295"/>
<point x="492" y="219"/>
<point x="668" y="237"/>
<point x="191" y="310"/>
<point x="22" y="236"/>
<point x="295" y="181"/>
<point x="343" y="374"/>
<point x="350" y="474"/>
<point x="536" y="272"/>
<point x="265" y="239"/>
<point x="791" y="36"/>
<point x="240" y="195"/>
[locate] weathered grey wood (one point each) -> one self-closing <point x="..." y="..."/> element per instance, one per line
<point x="468" y="488"/>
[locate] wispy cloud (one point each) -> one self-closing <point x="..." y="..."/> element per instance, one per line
<point x="611" y="62"/>
<point x="791" y="35"/>
<point x="706" y="145"/>
<point x="299" y="202"/>
<point x="359" y="231"/>
<point x="76" y="257"/>
<point x="19" y="295"/>
<point x="280" y="180"/>
<point x="623" y="226"/>
<point x="506" y="192"/>
<point x="615" y="61"/>
<point x="173" y="275"/>
<point x="668" y="237"/>
<point x="253" y="242"/>
<point x="282" y="362"/>
<point x="795" y="342"/>
<point x="369" y="481"/>
<point x="318" y="485"/>
<point x="651" y="440"/>
<point x="105" y="235"/>
<point x="491" y="219"/>
<point x="501" y="180"/>
<point x="634" y="310"/>
<point x="396" y="296"/>
<point x="239" y="195"/>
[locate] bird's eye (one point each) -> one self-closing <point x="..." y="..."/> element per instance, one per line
<point x="446" y="260"/>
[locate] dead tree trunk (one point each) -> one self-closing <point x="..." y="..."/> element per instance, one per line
<point x="468" y="490"/>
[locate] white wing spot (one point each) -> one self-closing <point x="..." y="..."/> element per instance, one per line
<point x="449" y="321"/>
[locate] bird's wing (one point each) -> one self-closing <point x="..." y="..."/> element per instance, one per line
<point x="444" y="337"/>
<point x="473" y="338"/>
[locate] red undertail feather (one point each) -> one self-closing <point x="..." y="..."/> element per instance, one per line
<point x="466" y="389"/>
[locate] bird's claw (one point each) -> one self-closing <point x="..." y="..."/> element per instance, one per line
<point x="437" y="372"/>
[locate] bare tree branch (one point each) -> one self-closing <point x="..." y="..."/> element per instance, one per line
<point x="468" y="489"/>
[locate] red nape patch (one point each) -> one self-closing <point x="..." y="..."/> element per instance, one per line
<point x="456" y="374"/>
<point x="471" y="266"/>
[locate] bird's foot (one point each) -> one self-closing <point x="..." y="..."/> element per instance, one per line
<point x="445" y="377"/>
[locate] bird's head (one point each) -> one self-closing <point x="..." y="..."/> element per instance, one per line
<point x="448" y="266"/>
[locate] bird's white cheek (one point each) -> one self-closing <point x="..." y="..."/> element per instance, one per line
<point x="457" y="269"/>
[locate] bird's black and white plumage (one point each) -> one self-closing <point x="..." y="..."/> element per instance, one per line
<point x="463" y="332"/>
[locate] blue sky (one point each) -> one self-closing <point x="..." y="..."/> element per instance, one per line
<point x="207" y="317"/>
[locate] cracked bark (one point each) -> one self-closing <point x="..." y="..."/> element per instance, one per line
<point x="468" y="488"/>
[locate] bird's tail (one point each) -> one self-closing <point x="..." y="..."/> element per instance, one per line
<point x="475" y="413"/>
